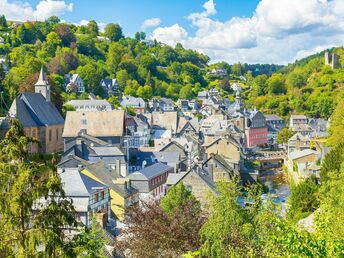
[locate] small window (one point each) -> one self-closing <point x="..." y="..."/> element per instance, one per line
<point x="50" y="135"/>
<point x="57" y="133"/>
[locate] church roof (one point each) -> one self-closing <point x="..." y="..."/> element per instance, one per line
<point x="42" y="78"/>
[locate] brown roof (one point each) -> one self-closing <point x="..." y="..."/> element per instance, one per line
<point x="167" y="120"/>
<point x="96" y="124"/>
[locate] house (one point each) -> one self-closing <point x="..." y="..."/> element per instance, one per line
<point x="138" y="104"/>
<point x="90" y="105"/>
<point x="199" y="183"/>
<point x="106" y="125"/>
<point x="256" y="130"/>
<point x="111" y="86"/>
<point x="92" y="150"/>
<point x="163" y="120"/>
<point x="162" y="104"/>
<point x="39" y="117"/>
<point x="275" y="121"/>
<point x="183" y="104"/>
<point x="303" y="156"/>
<point x="150" y="181"/>
<point x="296" y="120"/>
<point x="138" y="130"/>
<point x="141" y="159"/>
<point x="319" y="127"/>
<point x="74" y="83"/>
<point x="89" y="197"/>
<point x="225" y="146"/>
<point x="236" y="86"/>
<point x="218" y="72"/>
<point x="303" y="129"/>
<point x="298" y="142"/>
<point x="122" y="193"/>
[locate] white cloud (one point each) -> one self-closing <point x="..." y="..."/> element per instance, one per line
<point x="23" y="11"/>
<point x="150" y="23"/>
<point x="279" y="31"/>
<point x="170" y="35"/>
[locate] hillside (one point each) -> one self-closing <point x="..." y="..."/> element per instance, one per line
<point x="147" y="68"/>
<point x="306" y="86"/>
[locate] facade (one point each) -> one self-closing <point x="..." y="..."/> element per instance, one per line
<point x="138" y="131"/>
<point x="107" y="126"/>
<point x="296" y="120"/>
<point x="122" y="193"/>
<point x="39" y="117"/>
<point x="218" y="72"/>
<point x="90" y="105"/>
<point x="74" y="80"/>
<point x="225" y="146"/>
<point x="150" y="181"/>
<point x="138" y="104"/>
<point x="275" y="121"/>
<point x="90" y="198"/>
<point x="298" y="142"/>
<point x="111" y="86"/>
<point x="256" y="131"/>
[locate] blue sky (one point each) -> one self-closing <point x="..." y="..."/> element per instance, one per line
<point x="252" y="31"/>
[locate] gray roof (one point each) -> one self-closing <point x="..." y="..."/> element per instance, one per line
<point x="150" y="172"/>
<point x="33" y="110"/>
<point x="129" y="101"/>
<point x="78" y="184"/>
<point x="301" y="153"/>
<point x="272" y="117"/>
<point x="107" y="151"/>
<point x="173" y="178"/>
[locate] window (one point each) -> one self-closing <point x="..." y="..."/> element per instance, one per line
<point x="96" y="197"/>
<point x="50" y="135"/>
<point x="102" y="195"/>
<point x="57" y="133"/>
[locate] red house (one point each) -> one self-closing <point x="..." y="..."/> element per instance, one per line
<point x="256" y="131"/>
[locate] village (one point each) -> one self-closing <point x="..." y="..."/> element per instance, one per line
<point x="113" y="158"/>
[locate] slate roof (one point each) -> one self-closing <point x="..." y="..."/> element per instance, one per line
<point x="272" y="117"/>
<point x="107" y="175"/>
<point x="32" y="109"/>
<point x="78" y="184"/>
<point x="302" y="153"/>
<point x="150" y="172"/>
<point x="129" y="101"/>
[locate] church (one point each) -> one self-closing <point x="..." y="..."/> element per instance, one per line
<point x="39" y="117"/>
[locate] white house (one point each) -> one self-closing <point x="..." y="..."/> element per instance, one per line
<point x="90" y="105"/>
<point x="74" y="79"/>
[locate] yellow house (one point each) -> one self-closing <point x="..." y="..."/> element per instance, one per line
<point x="226" y="146"/>
<point x="122" y="194"/>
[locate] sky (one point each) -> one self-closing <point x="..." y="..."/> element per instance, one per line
<point x="251" y="31"/>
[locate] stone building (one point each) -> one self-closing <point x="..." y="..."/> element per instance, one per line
<point x="39" y="117"/>
<point x="332" y="60"/>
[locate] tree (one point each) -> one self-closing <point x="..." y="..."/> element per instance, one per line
<point x="337" y="125"/>
<point x="113" y="32"/>
<point x="228" y="231"/>
<point x="174" y="234"/>
<point x="91" y="77"/>
<point x="64" y="32"/>
<point x="237" y="69"/>
<point x="92" y="28"/>
<point x="177" y="197"/>
<point x="186" y="92"/>
<point x="3" y="22"/>
<point x="33" y="209"/>
<point x="276" y="84"/>
<point x="52" y="42"/>
<point x="91" y="242"/>
<point x="284" y="135"/>
<point x="303" y="200"/>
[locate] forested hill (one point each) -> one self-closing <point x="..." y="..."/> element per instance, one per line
<point x="306" y="86"/>
<point x="147" y="68"/>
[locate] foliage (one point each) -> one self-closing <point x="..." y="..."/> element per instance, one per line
<point x="90" y="242"/>
<point x="337" y="125"/>
<point x="303" y="200"/>
<point x="284" y="135"/>
<point x="32" y="205"/>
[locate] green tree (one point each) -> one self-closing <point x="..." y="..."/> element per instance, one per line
<point x="91" y="242"/>
<point x="276" y="84"/>
<point x="284" y="135"/>
<point x="52" y="42"/>
<point x="3" y="22"/>
<point x="177" y="197"/>
<point x="33" y="209"/>
<point x="337" y="125"/>
<point x="92" y="28"/>
<point x="303" y="200"/>
<point x="91" y="76"/>
<point x="113" y="32"/>
<point x="186" y="92"/>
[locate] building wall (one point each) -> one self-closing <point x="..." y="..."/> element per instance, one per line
<point x="53" y="139"/>
<point x="225" y="148"/>
<point x="256" y="136"/>
<point x="308" y="158"/>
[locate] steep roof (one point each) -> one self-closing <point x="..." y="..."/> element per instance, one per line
<point x="150" y="172"/>
<point x="96" y="124"/>
<point x="78" y="184"/>
<point x="302" y="153"/>
<point x="32" y="109"/>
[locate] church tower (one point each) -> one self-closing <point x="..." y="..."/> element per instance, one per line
<point x="239" y="104"/>
<point x="42" y="85"/>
